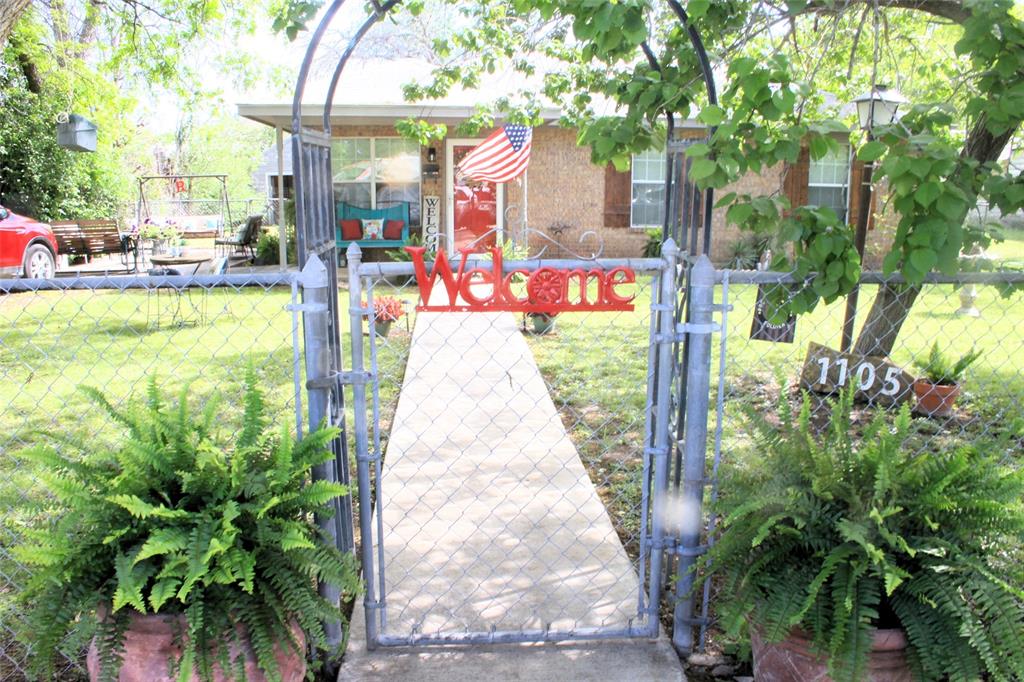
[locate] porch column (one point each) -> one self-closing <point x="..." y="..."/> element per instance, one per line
<point x="282" y="237"/>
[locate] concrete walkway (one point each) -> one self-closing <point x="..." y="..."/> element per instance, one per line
<point x="490" y="521"/>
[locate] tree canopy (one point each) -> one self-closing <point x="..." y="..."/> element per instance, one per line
<point x="785" y="66"/>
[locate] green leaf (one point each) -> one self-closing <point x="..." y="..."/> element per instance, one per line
<point x="871" y="151"/>
<point x="738" y="213"/>
<point x="923" y="259"/>
<point x="950" y="206"/>
<point x="927" y="193"/>
<point x="161" y="591"/>
<point x="702" y="168"/>
<point x="711" y="115"/>
<point x="697" y="8"/>
<point x="163" y="541"/>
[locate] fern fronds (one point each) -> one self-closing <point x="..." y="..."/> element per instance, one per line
<point x="180" y="520"/>
<point x="832" y="534"/>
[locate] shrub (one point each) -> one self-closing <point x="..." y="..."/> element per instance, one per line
<point x="838" y="536"/>
<point x="181" y="518"/>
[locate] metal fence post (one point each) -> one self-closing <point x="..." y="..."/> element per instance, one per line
<point x="663" y="410"/>
<point x="363" y="460"/>
<point x="695" y="436"/>
<point x="315" y="311"/>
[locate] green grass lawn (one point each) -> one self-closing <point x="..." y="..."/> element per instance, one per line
<point x="1010" y="249"/>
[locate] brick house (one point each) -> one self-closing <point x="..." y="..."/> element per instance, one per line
<point x="563" y="194"/>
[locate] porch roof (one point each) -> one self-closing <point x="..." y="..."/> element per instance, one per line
<point x="279" y="114"/>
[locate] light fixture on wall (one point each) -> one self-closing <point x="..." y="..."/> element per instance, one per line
<point x="431" y="169"/>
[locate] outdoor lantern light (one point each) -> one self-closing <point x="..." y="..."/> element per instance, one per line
<point x="879" y="107"/>
<point x="431" y="155"/>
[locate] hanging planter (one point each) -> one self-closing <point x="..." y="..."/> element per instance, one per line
<point x="76" y="133"/>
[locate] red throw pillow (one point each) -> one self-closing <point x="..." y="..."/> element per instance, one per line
<point x="351" y="230"/>
<point x="393" y="229"/>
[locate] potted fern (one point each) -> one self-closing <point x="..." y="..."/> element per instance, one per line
<point x="867" y="560"/>
<point x="186" y="552"/>
<point x="938" y="389"/>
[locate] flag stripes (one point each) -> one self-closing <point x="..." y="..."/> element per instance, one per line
<point x="501" y="157"/>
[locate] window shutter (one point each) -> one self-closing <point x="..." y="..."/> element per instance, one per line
<point x="797" y="177"/>
<point x="618" y="195"/>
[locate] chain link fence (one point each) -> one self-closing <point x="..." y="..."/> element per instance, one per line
<point x="579" y="386"/>
<point x="114" y="334"/>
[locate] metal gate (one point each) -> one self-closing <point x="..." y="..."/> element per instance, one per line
<point x="456" y="548"/>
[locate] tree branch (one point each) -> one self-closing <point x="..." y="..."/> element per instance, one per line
<point x="954" y="10"/>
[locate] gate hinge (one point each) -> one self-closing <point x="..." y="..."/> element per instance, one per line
<point x="307" y="307"/>
<point x="684" y="328"/>
<point x="671" y="545"/>
<point x="341" y="378"/>
<point x="656" y="452"/>
<point x="372" y="457"/>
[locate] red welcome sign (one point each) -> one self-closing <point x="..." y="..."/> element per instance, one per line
<point x="548" y="290"/>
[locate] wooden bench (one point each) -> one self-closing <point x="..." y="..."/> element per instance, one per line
<point x="70" y="240"/>
<point x="90" y="238"/>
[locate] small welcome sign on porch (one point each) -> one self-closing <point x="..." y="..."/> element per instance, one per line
<point x="548" y="290"/>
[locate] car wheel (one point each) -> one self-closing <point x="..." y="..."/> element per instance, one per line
<point x="39" y="262"/>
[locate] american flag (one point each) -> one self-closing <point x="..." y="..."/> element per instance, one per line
<point x="501" y="157"/>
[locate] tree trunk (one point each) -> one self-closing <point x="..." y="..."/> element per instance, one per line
<point x="10" y="10"/>
<point x="885" y="319"/>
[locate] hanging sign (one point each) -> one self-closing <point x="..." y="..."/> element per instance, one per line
<point x="876" y="379"/>
<point x="548" y="290"/>
<point x="431" y="222"/>
<point x="762" y="328"/>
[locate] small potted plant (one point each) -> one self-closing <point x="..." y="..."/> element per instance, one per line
<point x="938" y="389"/>
<point x="860" y="558"/>
<point x="185" y="551"/>
<point x="543" y="323"/>
<point x="385" y="311"/>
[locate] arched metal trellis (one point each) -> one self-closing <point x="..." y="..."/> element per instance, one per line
<point x="687" y="221"/>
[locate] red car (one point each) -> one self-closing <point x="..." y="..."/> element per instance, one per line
<point x="27" y="247"/>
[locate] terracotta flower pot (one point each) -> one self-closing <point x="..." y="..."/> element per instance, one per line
<point x="935" y="400"/>
<point x="149" y="646"/>
<point x="794" y="660"/>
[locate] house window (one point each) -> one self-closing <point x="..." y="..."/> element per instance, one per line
<point x="647" y="207"/>
<point x="828" y="181"/>
<point x="374" y="172"/>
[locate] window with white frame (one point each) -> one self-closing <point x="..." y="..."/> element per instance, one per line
<point x="647" y="207"/>
<point x="374" y="172"/>
<point x="828" y="181"/>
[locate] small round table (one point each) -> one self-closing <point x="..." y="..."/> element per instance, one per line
<point x="177" y="316"/>
<point x="174" y="261"/>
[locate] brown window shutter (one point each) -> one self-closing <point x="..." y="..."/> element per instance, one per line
<point x="797" y="177"/>
<point x="618" y="196"/>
